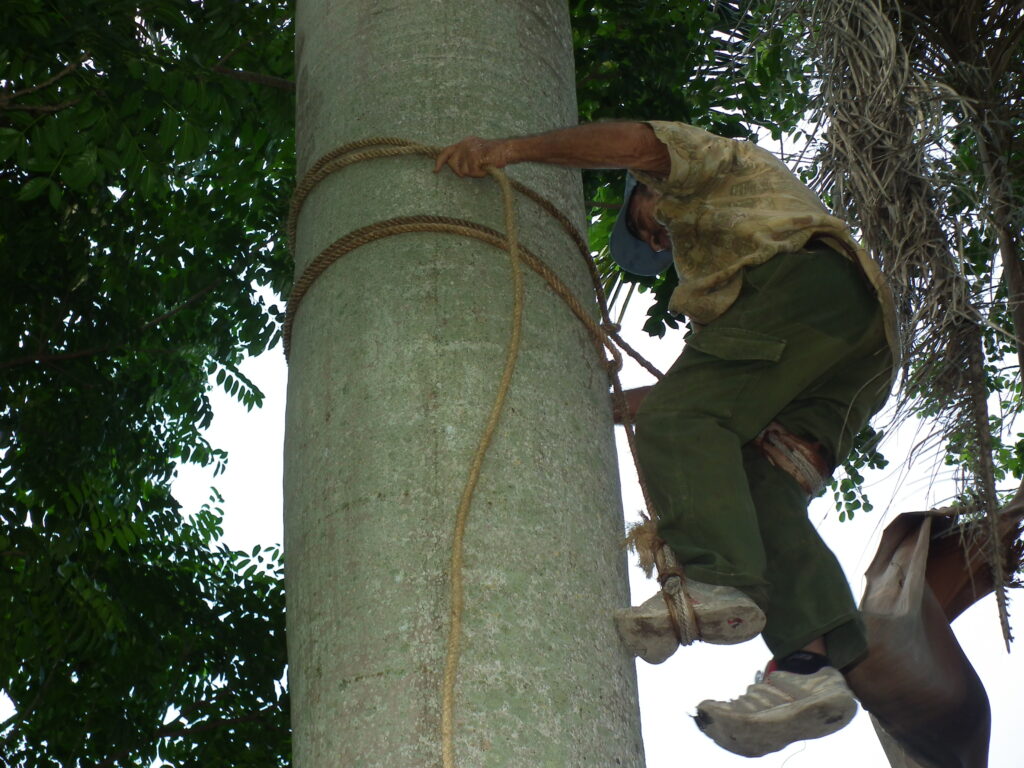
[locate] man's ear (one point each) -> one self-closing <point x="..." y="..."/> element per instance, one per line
<point x="631" y="211"/>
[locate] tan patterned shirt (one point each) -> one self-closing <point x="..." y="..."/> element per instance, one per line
<point x="730" y="204"/>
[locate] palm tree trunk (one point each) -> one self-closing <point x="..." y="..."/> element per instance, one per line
<point x="396" y="355"/>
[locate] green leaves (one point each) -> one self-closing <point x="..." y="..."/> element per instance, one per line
<point x="33" y="188"/>
<point x="847" y="486"/>
<point x="128" y="255"/>
<point x="82" y="170"/>
<point x="10" y="142"/>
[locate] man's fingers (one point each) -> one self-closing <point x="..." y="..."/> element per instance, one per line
<point x="442" y="158"/>
<point x="464" y="158"/>
<point x="458" y="164"/>
<point x="453" y="157"/>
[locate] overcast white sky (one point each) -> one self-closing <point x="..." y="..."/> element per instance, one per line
<point x="669" y="692"/>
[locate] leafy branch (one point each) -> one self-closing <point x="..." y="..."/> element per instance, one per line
<point x="54" y="357"/>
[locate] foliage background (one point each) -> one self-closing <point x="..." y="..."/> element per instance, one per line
<point x="142" y="193"/>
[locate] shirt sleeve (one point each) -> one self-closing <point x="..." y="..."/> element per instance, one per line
<point x="697" y="158"/>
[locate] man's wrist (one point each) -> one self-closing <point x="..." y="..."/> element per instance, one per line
<point x="516" y="150"/>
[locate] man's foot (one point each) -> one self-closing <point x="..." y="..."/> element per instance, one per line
<point x="781" y="708"/>
<point x="724" y="616"/>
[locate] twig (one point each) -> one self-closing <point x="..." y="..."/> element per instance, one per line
<point x="190" y="300"/>
<point x="52" y="357"/>
<point x="210" y="725"/>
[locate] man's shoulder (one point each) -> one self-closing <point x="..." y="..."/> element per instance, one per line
<point x="677" y="132"/>
<point x="693" y="137"/>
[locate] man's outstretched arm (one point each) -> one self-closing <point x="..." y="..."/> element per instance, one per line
<point x="593" y="145"/>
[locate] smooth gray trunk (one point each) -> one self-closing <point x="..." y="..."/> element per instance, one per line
<point x="397" y="353"/>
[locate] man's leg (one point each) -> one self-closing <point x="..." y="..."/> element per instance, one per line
<point x="718" y="612"/>
<point x="809" y="596"/>
<point x="809" y="605"/>
<point x="803" y="322"/>
<point x="813" y="627"/>
<point x="800" y="318"/>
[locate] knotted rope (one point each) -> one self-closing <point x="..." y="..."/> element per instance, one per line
<point x="605" y="336"/>
<point x="673" y="589"/>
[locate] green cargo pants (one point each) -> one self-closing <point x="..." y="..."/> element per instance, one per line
<point x="804" y="345"/>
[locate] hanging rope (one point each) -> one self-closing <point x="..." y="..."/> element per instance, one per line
<point x="605" y="336"/>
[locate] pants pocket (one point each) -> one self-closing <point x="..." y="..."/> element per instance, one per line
<point x="728" y="343"/>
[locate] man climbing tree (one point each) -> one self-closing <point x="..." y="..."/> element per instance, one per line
<point x="792" y="353"/>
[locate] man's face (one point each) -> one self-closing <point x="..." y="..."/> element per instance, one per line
<point x="642" y="223"/>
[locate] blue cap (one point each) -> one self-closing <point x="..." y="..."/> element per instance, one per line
<point x="633" y="255"/>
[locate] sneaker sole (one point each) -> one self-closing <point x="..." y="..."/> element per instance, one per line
<point x="729" y="624"/>
<point x="649" y="634"/>
<point x="762" y="733"/>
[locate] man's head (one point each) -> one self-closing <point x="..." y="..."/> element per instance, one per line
<point x="639" y="242"/>
<point x="641" y="222"/>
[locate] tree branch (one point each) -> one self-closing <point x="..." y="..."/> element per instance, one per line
<point x="40" y="108"/>
<point x="52" y="357"/>
<point x="210" y="725"/>
<point x="255" y="77"/>
<point x="985" y="473"/>
<point x="190" y="300"/>
<point x="6" y="97"/>
<point x="992" y="152"/>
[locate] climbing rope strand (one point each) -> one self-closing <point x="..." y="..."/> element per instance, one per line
<point x="441" y="225"/>
<point x="619" y="401"/>
<point x="462" y="515"/>
<point x="324" y="168"/>
<point x="347" y="155"/>
<point x="604" y="335"/>
<point x="613" y="334"/>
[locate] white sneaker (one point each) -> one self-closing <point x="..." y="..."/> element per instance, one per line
<point x="782" y="708"/>
<point x="724" y="616"/>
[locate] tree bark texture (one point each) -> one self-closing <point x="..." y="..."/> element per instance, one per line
<point x="396" y="356"/>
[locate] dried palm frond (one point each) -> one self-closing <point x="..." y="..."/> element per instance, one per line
<point x="893" y="77"/>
